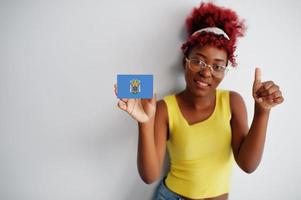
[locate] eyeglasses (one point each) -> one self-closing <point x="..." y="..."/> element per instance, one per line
<point x="197" y="65"/>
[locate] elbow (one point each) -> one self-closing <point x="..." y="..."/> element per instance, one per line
<point x="149" y="177"/>
<point x="149" y="174"/>
<point x="248" y="167"/>
<point x="148" y="180"/>
<point x="249" y="170"/>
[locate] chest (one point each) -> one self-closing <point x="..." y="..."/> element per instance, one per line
<point x="193" y="116"/>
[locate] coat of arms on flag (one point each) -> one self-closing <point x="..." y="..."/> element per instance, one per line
<point x="135" y="86"/>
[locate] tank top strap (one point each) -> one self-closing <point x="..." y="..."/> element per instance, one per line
<point x="223" y="106"/>
<point x="172" y="110"/>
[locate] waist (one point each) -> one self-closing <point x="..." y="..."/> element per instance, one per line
<point x="200" y="180"/>
<point x="220" y="197"/>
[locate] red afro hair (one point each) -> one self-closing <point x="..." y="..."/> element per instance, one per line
<point x="210" y="15"/>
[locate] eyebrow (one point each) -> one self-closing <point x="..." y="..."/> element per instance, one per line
<point x="215" y="59"/>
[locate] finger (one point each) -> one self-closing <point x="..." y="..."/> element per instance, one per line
<point x="125" y="100"/>
<point x="265" y="86"/>
<point x="257" y="78"/>
<point x="259" y="99"/>
<point x="122" y="105"/>
<point x="273" y="97"/>
<point x="115" y="89"/>
<point x="276" y="100"/>
<point x="152" y="100"/>
<point x="271" y="90"/>
<point x="279" y="100"/>
<point x="276" y="94"/>
<point x="269" y="99"/>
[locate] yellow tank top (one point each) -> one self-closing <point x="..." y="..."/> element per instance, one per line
<point x="201" y="156"/>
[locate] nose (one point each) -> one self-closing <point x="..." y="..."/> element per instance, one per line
<point x="205" y="72"/>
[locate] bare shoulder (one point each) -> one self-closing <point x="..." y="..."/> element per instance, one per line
<point x="235" y="96"/>
<point x="239" y="122"/>
<point x="161" y="120"/>
<point x="161" y="111"/>
<point x="236" y="102"/>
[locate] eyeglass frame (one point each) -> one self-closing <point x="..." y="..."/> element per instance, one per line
<point x="225" y="67"/>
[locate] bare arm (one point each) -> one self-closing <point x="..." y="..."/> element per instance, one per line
<point x="248" y="144"/>
<point x="152" y="121"/>
<point x="152" y="144"/>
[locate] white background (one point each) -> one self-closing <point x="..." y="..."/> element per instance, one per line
<point x="61" y="134"/>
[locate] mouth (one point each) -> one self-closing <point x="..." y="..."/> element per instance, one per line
<point x="201" y="84"/>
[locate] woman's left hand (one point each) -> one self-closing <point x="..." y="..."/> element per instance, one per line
<point x="266" y="94"/>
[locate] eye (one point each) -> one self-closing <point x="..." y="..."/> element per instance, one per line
<point x="197" y="62"/>
<point x="218" y="67"/>
<point x="194" y="61"/>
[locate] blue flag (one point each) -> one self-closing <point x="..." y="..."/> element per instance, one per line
<point x="135" y="86"/>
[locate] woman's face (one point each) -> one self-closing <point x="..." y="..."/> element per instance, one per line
<point x="202" y="83"/>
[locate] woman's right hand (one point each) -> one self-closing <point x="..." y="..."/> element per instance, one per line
<point x="142" y="110"/>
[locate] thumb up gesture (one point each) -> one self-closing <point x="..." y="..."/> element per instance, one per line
<point x="266" y="94"/>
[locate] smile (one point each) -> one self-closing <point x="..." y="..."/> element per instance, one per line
<point x="201" y="84"/>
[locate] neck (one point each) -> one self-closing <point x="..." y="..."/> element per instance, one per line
<point x="198" y="102"/>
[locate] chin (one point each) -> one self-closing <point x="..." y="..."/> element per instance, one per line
<point x="200" y="92"/>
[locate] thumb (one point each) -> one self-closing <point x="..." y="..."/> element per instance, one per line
<point x="257" y="78"/>
<point x="152" y="100"/>
<point x="257" y="84"/>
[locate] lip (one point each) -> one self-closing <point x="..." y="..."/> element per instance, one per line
<point x="201" y="84"/>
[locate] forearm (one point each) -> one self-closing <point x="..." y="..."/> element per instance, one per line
<point x="147" y="159"/>
<point x="251" y="149"/>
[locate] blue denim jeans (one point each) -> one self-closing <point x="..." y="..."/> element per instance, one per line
<point x="163" y="193"/>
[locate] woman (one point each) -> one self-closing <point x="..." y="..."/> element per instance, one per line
<point x="204" y="128"/>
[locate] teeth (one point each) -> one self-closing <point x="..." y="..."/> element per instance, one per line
<point x="201" y="83"/>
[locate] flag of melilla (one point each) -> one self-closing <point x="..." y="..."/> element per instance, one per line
<point x="135" y="86"/>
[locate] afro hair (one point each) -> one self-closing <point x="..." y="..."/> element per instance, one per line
<point x="211" y="15"/>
